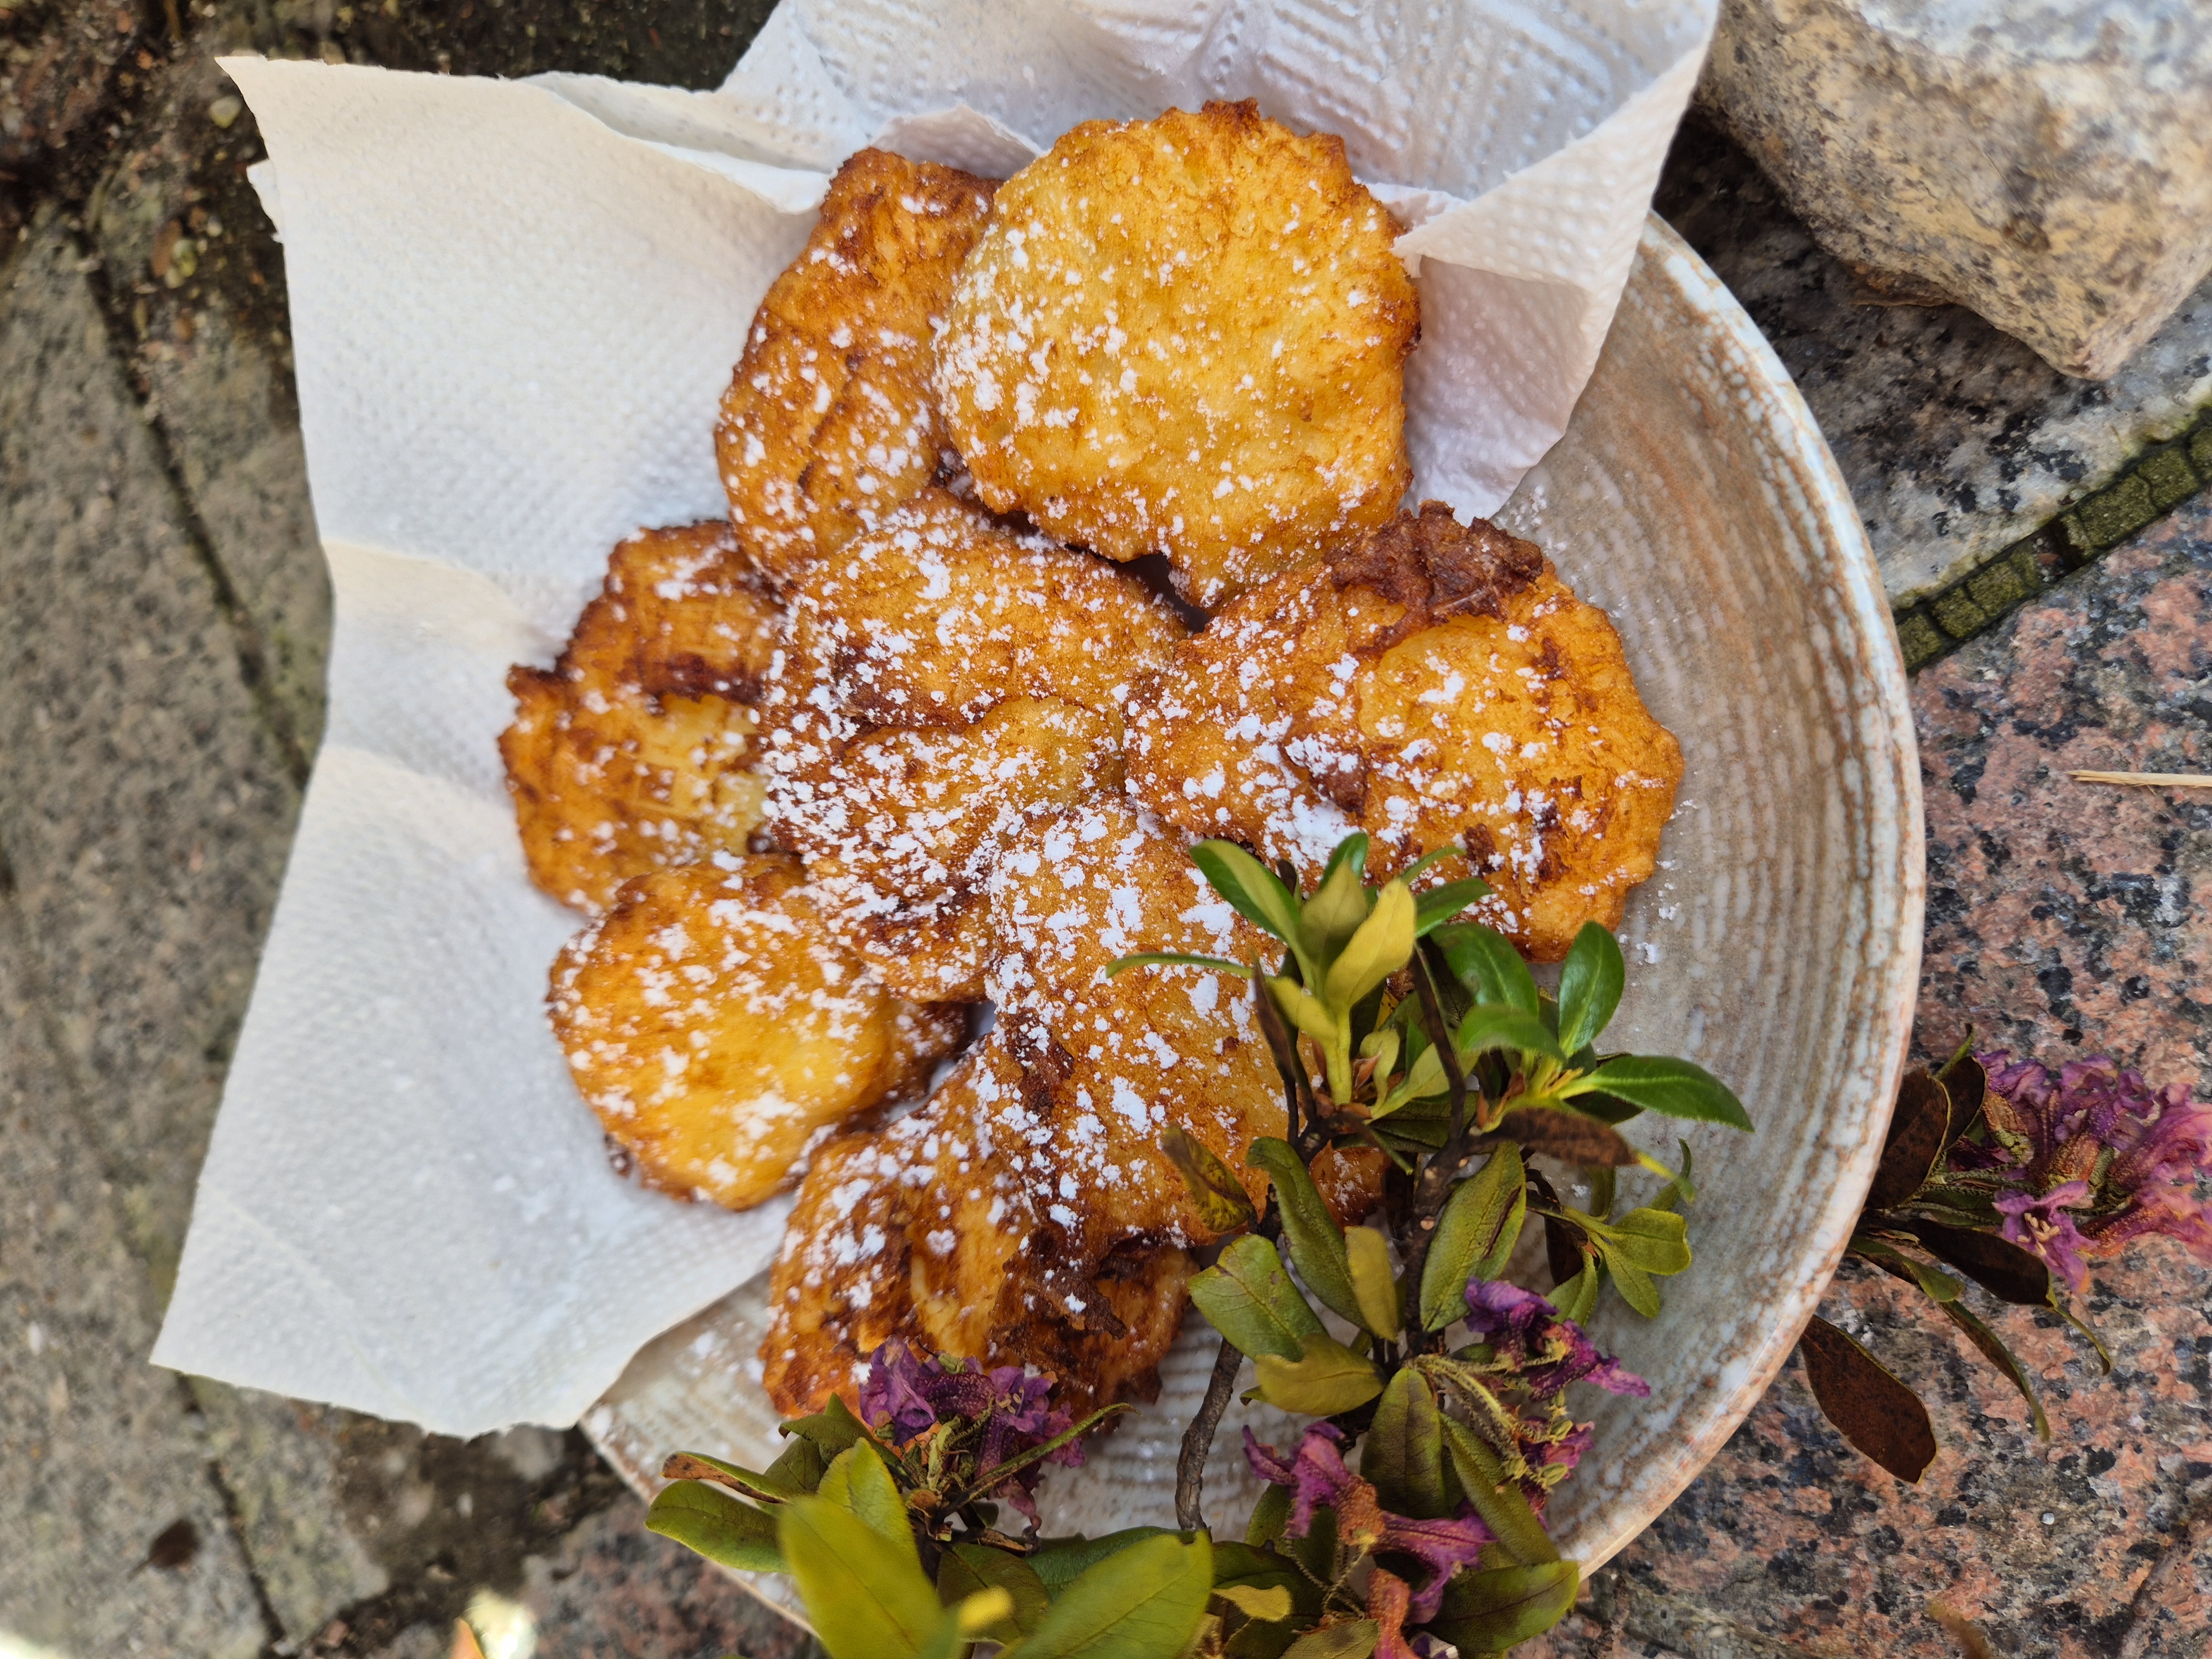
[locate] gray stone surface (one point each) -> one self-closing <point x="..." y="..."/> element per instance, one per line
<point x="187" y="262"/>
<point x="146" y="806"/>
<point x="1955" y="438"/>
<point x="100" y="1453"/>
<point x="2046" y="162"/>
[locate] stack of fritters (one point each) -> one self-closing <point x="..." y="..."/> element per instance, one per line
<point x="905" y="737"/>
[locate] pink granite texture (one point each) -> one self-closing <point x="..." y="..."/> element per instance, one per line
<point x="2064" y="918"/>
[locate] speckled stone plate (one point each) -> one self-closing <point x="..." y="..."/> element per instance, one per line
<point x="1779" y="945"/>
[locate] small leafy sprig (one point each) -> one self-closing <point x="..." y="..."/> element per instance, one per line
<point x="1395" y="1027"/>
<point x="2007" y="1178"/>
<point x="886" y="1522"/>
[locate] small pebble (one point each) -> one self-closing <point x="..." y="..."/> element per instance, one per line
<point x="2049" y="1519"/>
<point x="225" y="110"/>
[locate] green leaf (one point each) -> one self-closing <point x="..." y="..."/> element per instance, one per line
<point x="1176" y="959"/>
<point x="1061" y="1561"/>
<point x="1252" y="890"/>
<point x="1216" y="1194"/>
<point x="1317" y="1242"/>
<point x="1305" y="1012"/>
<point x="721" y="1526"/>
<point x="1247" y="1295"/>
<point x="1440" y="904"/>
<point x="1936" y="1285"/>
<point x="1485" y="960"/>
<point x="1578" y="1295"/>
<point x="1994" y="1351"/>
<point x="1634" y="1284"/>
<point x="1353" y="1639"/>
<point x="1374" y="1285"/>
<point x="1672" y="1087"/>
<point x="1591" y="981"/>
<point x="770" y="1488"/>
<point x="1501" y="1503"/>
<point x="858" y="1481"/>
<point x="1491" y="1025"/>
<point x="968" y="1569"/>
<point x="1143" y="1602"/>
<point x="1337" y="908"/>
<point x="800" y="1466"/>
<point x="1476" y="1232"/>
<point x="1328" y="1379"/>
<point x="1270" y="1514"/>
<point x="1488" y="1610"/>
<point x="1382" y="945"/>
<point x="863" y="1596"/>
<point x="1316" y="1552"/>
<point x="1877" y="1414"/>
<point x="1246" y="1564"/>
<point x="1917" y="1128"/>
<point x="831" y="1429"/>
<point x="1270" y="1605"/>
<point x="1656" y="1240"/>
<point x="1403" y="1456"/>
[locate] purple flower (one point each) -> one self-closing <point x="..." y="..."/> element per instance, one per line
<point x="1318" y="1479"/>
<point x="2042" y="1225"/>
<point x="2096" y="1157"/>
<point x="1544" y="1351"/>
<point x="1008" y="1411"/>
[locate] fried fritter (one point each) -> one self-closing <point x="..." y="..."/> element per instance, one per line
<point x="634" y="751"/>
<point x="1438" y="686"/>
<point x="830" y="418"/>
<point x="1186" y="336"/>
<point x="717" y="1026"/>
<point x="946" y="681"/>
<point x="1025" y="1215"/>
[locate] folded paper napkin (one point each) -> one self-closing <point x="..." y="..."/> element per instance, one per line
<point x="515" y="305"/>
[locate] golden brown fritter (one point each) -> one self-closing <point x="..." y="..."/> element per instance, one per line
<point x="830" y="418"/>
<point x="930" y="1230"/>
<point x="946" y="681"/>
<point x="1186" y="336"/>
<point x="1438" y="686"/>
<point x="634" y="751"/>
<point x="718" y="1026"/>
<point x="1026" y="1214"/>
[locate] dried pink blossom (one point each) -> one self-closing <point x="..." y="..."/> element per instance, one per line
<point x="1318" y="1479"/>
<point x="1544" y="1351"/>
<point x="1006" y="1410"/>
<point x="2096" y="1157"/>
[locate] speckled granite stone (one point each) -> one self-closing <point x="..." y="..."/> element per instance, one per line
<point x="1956" y="440"/>
<point x="2063" y="918"/>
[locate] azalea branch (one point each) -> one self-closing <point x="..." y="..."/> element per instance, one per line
<point x="1198" y="1438"/>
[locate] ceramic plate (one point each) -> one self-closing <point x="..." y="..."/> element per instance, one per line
<point x="1779" y="945"/>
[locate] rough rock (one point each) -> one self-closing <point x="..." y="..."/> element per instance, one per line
<point x="2048" y="164"/>
<point x="1955" y="439"/>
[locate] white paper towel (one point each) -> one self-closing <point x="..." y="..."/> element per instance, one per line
<point x="515" y="305"/>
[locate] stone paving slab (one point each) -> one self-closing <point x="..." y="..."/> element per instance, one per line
<point x="101" y="1453"/>
<point x="146" y="808"/>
